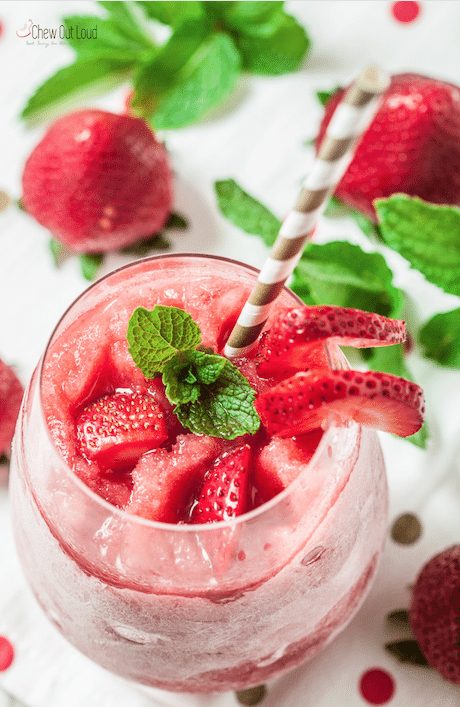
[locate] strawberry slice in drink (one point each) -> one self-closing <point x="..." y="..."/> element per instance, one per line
<point x="291" y="343"/>
<point x="225" y="490"/>
<point x="117" y="429"/>
<point x="307" y="400"/>
<point x="164" y="480"/>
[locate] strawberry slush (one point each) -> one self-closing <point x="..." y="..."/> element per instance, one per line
<point x="149" y="594"/>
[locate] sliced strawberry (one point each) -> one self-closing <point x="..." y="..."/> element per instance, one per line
<point x="11" y="392"/>
<point x="164" y="481"/>
<point x="307" y="400"/>
<point x="281" y="461"/>
<point x="225" y="490"/>
<point x="118" y="428"/>
<point x="290" y="342"/>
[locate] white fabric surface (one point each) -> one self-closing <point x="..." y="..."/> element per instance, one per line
<point x="258" y="141"/>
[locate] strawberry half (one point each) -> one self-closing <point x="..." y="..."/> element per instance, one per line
<point x="225" y="490"/>
<point x="11" y="392"/>
<point x="435" y="613"/>
<point x="307" y="400"/>
<point x="118" y="428"/>
<point x="288" y="344"/>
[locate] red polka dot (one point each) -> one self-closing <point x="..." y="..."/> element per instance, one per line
<point x="377" y="686"/>
<point x="6" y="653"/>
<point x="405" y="11"/>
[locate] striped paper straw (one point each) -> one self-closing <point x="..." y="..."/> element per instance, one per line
<point x="349" y="121"/>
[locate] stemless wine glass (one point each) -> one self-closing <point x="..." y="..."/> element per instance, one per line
<point x="196" y="608"/>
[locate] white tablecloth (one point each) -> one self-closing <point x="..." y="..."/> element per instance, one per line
<point x="258" y="140"/>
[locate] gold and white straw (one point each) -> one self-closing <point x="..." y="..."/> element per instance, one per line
<point x="349" y="121"/>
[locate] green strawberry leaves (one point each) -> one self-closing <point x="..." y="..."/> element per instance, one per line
<point x="195" y="69"/>
<point x="210" y="394"/>
<point x="426" y="235"/>
<point x="440" y="338"/>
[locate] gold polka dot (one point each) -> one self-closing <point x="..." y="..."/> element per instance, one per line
<point x="406" y="529"/>
<point x="251" y="696"/>
<point x="5" y="200"/>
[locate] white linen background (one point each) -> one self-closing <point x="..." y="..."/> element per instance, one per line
<point x="258" y="140"/>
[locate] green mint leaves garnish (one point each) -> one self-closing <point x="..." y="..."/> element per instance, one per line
<point x="209" y="393"/>
<point x="440" y="338"/>
<point x="196" y="68"/>
<point x="426" y="235"/>
<point x="225" y="408"/>
<point x="154" y="337"/>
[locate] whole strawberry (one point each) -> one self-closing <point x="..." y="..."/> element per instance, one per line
<point x="10" y="401"/>
<point x="412" y="145"/>
<point x="98" y="181"/>
<point x="435" y="612"/>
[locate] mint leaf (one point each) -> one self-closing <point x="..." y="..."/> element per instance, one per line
<point x="110" y="42"/>
<point x="278" y="53"/>
<point x="325" y="96"/>
<point x="440" y="338"/>
<point x="172" y="13"/>
<point x="177" y="221"/>
<point x="130" y="20"/>
<point x="3" y="459"/>
<point x="90" y="264"/>
<point x="70" y="81"/>
<point x="225" y="408"/>
<point x="246" y="212"/>
<point x="426" y="235"/>
<point x="156" y="76"/>
<point x="186" y="373"/>
<point x="391" y="359"/>
<point x="253" y="19"/>
<point x="154" y="337"/>
<point x="206" y="80"/>
<point x="343" y="274"/>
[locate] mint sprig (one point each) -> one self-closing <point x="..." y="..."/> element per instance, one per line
<point x="440" y="338"/>
<point x="209" y="393"/>
<point x="195" y="69"/>
<point x="427" y="235"/>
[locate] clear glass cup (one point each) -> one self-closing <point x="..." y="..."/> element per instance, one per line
<point x="197" y="608"/>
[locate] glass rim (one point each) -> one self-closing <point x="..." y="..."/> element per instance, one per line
<point x="155" y="524"/>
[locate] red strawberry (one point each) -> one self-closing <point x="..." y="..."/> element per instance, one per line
<point x="11" y="392"/>
<point x="118" y="428"/>
<point x="307" y="400"/>
<point x="435" y="613"/>
<point x="225" y="490"/>
<point x="289" y="343"/>
<point x="281" y="461"/>
<point x="412" y="145"/>
<point x="98" y="181"/>
<point x="164" y="480"/>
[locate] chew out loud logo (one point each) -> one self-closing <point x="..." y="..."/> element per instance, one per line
<point x="34" y="31"/>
